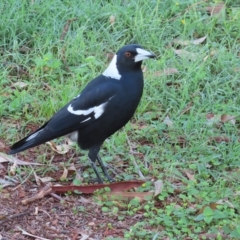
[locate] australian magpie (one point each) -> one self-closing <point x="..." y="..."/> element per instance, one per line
<point x="104" y="106"/>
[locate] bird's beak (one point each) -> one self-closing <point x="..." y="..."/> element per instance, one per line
<point x="143" y="54"/>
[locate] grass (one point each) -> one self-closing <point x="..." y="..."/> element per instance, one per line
<point x="30" y="40"/>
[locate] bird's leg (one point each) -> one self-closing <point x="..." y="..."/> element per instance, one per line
<point x="104" y="169"/>
<point x="92" y="157"/>
<point x="96" y="171"/>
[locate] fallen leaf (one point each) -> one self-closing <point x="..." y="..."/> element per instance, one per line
<point x="213" y="119"/>
<point x="209" y="115"/>
<point x="189" y="175"/>
<point x="46" y="179"/>
<point x="188" y="42"/>
<point x="228" y="118"/>
<point x="89" y="189"/>
<point x="5" y="183"/>
<point x="1" y="167"/>
<point x="84" y="236"/>
<point x="20" y="84"/>
<point x="220" y="139"/>
<point x="168" y="121"/>
<point x="9" y="158"/>
<point x="112" y="19"/>
<point x="158" y="187"/>
<point x="225" y="202"/>
<point x="144" y="69"/>
<point x="110" y="56"/>
<point x="216" y="9"/>
<point x="65" y="174"/>
<point x="185" y="54"/>
<point x="37" y="178"/>
<point x="166" y="72"/>
<point x="12" y="170"/>
<point x="2" y="145"/>
<point x="199" y="40"/>
<point x="62" y="148"/>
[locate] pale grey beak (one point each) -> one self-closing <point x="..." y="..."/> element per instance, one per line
<point x="143" y="54"/>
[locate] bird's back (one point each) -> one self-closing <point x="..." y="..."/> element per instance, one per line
<point x="117" y="113"/>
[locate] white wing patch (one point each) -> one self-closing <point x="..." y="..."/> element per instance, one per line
<point x="98" y="111"/>
<point x="33" y="135"/>
<point x="112" y="70"/>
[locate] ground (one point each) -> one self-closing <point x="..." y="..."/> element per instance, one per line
<point x="183" y="144"/>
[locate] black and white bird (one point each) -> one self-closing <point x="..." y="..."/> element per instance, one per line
<point x="104" y="106"/>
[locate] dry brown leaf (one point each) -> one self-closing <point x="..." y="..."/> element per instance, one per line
<point x="228" y="118"/>
<point x="62" y="148"/>
<point x="72" y="169"/>
<point x="188" y="42"/>
<point x="2" y="145"/>
<point x="189" y="175"/>
<point x="65" y="174"/>
<point x="168" y="121"/>
<point x="2" y="167"/>
<point x="210" y="115"/>
<point x="46" y="179"/>
<point x="144" y="69"/>
<point x="90" y="189"/>
<point x="110" y="56"/>
<point x="112" y="19"/>
<point x="185" y="54"/>
<point x="216" y="9"/>
<point x="212" y="118"/>
<point x="220" y="139"/>
<point x="20" y="84"/>
<point x="37" y="179"/>
<point x="158" y="187"/>
<point x="166" y="72"/>
<point x="84" y="236"/>
<point x="7" y="158"/>
<point x="198" y="40"/>
<point x="13" y="168"/>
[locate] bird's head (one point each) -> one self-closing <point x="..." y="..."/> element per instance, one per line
<point x="127" y="58"/>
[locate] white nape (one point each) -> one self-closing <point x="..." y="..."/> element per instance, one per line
<point x="98" y="110"/>
<point x="33" y="135"/>
<point x="142" y="54"/>
<point x="112" y="70"/>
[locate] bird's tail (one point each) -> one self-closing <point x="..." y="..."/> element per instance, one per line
<point x="32" y="140"/>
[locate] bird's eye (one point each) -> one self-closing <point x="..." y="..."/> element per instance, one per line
<point x="128" y="54"/>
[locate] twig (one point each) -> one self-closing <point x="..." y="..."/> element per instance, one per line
<point x="31" y="235"/>
<point x="14" y="216"/>
<point x="22" y="182"/>
<point x="66" y="27"/>
<point x="134" y="162"/>
<point x="45" y="191"/>
<point x="56" y="197"/>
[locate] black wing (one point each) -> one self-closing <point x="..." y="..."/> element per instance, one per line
<point x="86" y="108"/>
